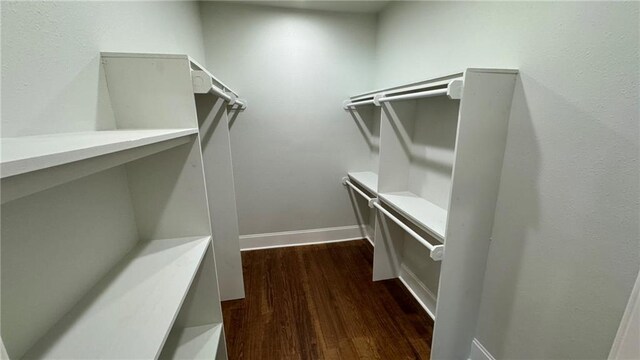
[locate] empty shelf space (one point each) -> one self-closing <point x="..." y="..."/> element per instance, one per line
<point x="130" y="312"/>
<point x="423" y="213"/>
<point x="30" y="153"/>
<point x="366" y="179"/>
<point x="197" y="342"/>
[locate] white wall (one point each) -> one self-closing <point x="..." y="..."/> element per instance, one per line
<point x="50" y="57"/>
<point x="565" y="249"/>
<point x="294" y="143"/>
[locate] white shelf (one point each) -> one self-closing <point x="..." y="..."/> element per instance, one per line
<point x="366" y="179"/>
<point x="423" y="213"/>
<point x="21" y="155"/>
<point x="130" y="312"/>
<point x="197" y="342"/>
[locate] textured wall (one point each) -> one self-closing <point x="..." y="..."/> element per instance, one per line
<point x="50" y="57"/>
<point x="294" y="143"/>
<point x="565" y="248"/>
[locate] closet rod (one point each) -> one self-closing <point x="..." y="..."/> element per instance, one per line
<point x="346" y="181"/>
<point x="422" y="94"/>
<point x="217" y="91"/>
<point x="241" y="103"/>
<point x="357" y="103"/>
<point x="436" y="251"/>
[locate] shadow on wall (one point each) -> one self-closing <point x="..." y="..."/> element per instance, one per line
<point x="520" y="181"/>
<point x="210" y="110"/>
<point x="369" y="125"/>
<point x="401" y="116"/>
<point x="546" y="286"/>
<point x="75" y="106"/>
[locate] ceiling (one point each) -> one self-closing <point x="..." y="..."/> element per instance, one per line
<point x="371" y="6"/>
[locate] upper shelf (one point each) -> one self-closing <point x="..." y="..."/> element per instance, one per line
<point x="203" y="80"/>
<point x="425" y="88"/>
<point x="134" y="306"/>
<point x="425" y="214"/>
<point x="366" y="179"/>
<point x="30" y="153"/>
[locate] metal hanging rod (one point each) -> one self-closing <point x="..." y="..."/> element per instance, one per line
<point x="436" y="251"/>
<point x="418" y="95"/>
<point x="217" y="91"/>
<point x="345" y="181"/>
<point x="347" y="104"/>
<point x="453" y="91"/>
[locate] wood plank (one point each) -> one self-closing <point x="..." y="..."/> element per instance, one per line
<point x="319" y="302"/>
<point x="130" y="312"/>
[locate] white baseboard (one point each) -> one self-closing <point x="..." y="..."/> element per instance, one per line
<point x="301" y="237"/>
<point x="420" y="292"/>
<point x="370" y="240"/>
<point x="478" y="352"/>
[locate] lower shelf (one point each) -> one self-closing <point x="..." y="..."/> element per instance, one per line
<point x="129" y="313"/>
<point x="422" y="212"/>
<point x="197" y="342"/>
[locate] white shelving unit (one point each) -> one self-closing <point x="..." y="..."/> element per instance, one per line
<point x="112" y="227"/>
<point x="214" y="100"/>
<point x="441" y="144"/>
<point x="140" y="295"/>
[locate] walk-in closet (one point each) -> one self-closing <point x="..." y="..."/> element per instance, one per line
<point x="310" y="179"/>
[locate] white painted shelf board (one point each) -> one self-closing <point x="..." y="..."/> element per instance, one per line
<point x="367" y="179"/>
<point x="422" y="212"/>
<point x="196" y="342"/>
<point x="131" y="311"/>
<point x="21" y="155"/>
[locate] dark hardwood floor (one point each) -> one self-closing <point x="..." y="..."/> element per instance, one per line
<point x="318" y="302"/>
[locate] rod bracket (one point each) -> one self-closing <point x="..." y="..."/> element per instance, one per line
<point x="201" y="82"/>
<point x="437" y="253"/>
<point x="344" y="104"/>
<point x="344" y="180"/>
<point x="376" y="99"/>
<point x="454" y="89"/>
<point x="372" y="202"/>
